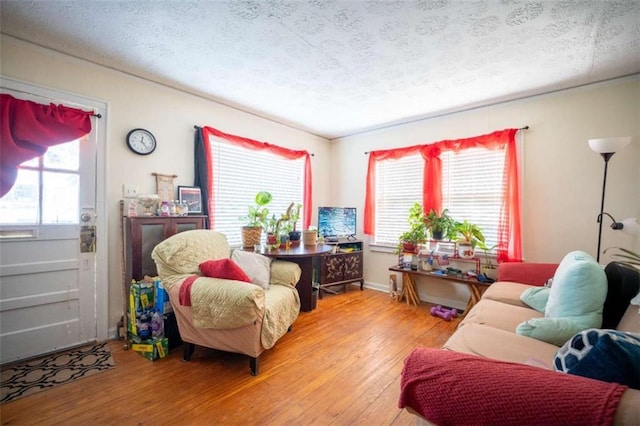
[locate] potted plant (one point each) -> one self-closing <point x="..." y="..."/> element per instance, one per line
<point x="439" y="225"/>
<point x="625" y="257"/>
<point x="416" y="234"/>
<point x="294" y="216"/>
<point x="255" y="220"/>
<point x="488" y="269"/>
<point x="272" y="230"/>
<point x="470" y="234"/>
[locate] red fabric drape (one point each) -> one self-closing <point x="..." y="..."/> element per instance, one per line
<point x="277" y="150"/>
<point x="27" y="129"/>
<point x="509" y="236"/>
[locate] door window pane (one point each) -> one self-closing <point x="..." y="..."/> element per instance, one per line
<point x="20" y="205"/>
<point x="60" y="195"/>
<point x="64" y="157"/>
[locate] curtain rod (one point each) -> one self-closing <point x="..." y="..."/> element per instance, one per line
<point x="198" y="127"/>
<point x="519" y="128"/>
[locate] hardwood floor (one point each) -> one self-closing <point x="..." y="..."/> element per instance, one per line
<point x="340" y="365"/>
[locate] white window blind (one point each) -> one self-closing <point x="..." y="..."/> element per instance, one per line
<point x="472" y="189"/>
<point x="239" y="174"/>
<point x="398" y="187"/>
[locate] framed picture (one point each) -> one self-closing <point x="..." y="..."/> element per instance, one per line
<point x="191" y="196"/>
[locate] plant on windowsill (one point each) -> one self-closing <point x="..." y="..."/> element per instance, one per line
<point x="470" y="234"/>
<point x="255" y="220"/>
<point x="439" y="225"/>
<point x="488" y="268"/>
<point x="417" y="233"/>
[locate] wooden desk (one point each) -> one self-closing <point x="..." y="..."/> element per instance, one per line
<point x="303" y="256"/>
<point x="410" y="293"/>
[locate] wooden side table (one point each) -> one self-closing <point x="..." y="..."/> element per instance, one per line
<point x="410" y="293"/>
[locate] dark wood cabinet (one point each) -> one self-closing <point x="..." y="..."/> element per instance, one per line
<point x="342" y="267"/>
<point x="142" y="234"/>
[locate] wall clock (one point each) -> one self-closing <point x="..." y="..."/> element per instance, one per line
<point x="141" y="141"/>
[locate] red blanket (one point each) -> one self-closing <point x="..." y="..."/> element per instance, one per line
<point x="185" y="290"/>
<point x="451" y="388"/>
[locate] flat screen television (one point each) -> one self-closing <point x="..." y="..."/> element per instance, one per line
<point x="337" y="222"/>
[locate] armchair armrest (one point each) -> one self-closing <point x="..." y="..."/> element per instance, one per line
<point x="447" y="387"/>
<point x="530" y="273"/>
<point x="284" y="273"/>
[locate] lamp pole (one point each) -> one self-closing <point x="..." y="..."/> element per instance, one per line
<point x="606" y="156"/>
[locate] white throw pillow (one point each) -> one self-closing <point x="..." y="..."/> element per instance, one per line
<point x="256" y="266"/>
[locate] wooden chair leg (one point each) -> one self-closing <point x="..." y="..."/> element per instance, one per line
<point x="253" y="365"/>
<point x="187" y="351"/>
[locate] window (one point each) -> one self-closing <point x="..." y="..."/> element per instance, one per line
<point x="239" y="173"/>
<point x="46" y="190"/>
<point x="398" y="187"/>
<point x="472" y="188"/>
<point x="476" y="179"/>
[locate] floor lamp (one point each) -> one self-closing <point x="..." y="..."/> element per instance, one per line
<point x="606" y="147"/>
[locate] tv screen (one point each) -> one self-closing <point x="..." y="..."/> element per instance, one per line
<point x="336" y="221"/>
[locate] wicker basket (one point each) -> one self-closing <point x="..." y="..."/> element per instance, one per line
<point x="251" y="236"/>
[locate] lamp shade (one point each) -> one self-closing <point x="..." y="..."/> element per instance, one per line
<point x="609" y="145"/>
<point x="631" y="226"/>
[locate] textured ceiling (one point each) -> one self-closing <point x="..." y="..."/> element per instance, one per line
<point x="335" y="67"/>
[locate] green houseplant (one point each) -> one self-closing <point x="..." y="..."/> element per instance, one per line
<point x="489" y="269"/>
<point x="417" y="232"/>
<point x="625" y="257"/>
<point x="470" y="235"/>
<point x="439" y="225"/>
<point x="294" y="217"/>
<point x="255" y="219"/>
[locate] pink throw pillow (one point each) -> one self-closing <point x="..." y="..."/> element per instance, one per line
<point x="223" y="268"/>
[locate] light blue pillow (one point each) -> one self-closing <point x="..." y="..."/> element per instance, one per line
<point x="536" y="297"/>
<point x="575" y="302"/>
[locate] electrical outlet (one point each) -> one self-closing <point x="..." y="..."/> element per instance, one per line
<point x="130" y="191"/>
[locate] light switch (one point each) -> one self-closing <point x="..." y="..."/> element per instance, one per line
<point x="130" y="191"/>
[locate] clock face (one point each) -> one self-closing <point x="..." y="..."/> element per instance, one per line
<point x="141" y="141"/>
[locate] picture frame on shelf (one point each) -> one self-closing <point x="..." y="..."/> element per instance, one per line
<point x="192" y="197"/>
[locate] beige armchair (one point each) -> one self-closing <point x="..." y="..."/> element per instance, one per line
<point x="226" y="314"/>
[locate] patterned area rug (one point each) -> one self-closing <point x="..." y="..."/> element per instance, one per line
<point x="56" y="369"/>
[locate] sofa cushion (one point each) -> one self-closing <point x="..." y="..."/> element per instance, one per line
<point x="623" y="283"/>
<point x="507" y="292"/>
<point x="607" y="355"/>
<point x="630" y="322"/>
<point x="285" y="273"/>
<point x="490" y="342"/>
<point x="223" y="268"/>
<point x="256" y="266"/>
<point x="499" y="315"/>
<point x="575" y="302"/>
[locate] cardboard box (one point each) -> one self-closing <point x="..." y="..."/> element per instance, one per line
<point x="151" y="349"/>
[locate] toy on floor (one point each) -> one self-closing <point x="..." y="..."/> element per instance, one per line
<point x="444" y="313"/>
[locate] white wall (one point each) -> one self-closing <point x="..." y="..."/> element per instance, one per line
<point x="168" y="113"/>
<point x="562" y="177"/>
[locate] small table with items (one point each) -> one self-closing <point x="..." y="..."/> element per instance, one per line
<point x="303" y="256"/>
<point x="410" y="293"/>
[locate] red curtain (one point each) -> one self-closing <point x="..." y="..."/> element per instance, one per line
<point x="277" y="150"/>
<point x="27" y="129"/>
<point x="509" y="236"/>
